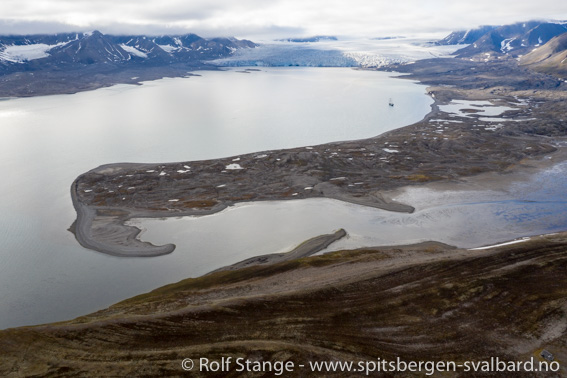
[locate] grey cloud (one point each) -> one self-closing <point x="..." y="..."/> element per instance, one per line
<point x="243" y="31"/>
<point x="260" y="18"/>
<point x="36" y="27"/>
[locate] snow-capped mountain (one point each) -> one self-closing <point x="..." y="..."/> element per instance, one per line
<point x="88" y="49"/>
<point x="36" y="52"/>
<point x="144" y="48"/>
<point x="514" y="40"/>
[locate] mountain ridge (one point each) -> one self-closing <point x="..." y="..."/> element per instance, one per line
<point x="43" y="51"/>
<point x="46" y="64"/>
<point x="465" y="37"/>
<point x="511" y="40"/>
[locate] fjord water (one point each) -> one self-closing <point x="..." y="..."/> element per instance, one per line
<point x="46" y="142"/>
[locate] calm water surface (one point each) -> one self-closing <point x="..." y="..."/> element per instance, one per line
<point x="46" y="142"/>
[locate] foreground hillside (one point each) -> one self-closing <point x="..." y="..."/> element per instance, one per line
<point x="423" y="302"/>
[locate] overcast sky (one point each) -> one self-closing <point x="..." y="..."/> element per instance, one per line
<point x="264" y="19"/>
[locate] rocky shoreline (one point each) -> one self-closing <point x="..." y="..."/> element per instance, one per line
<point x="442" y="147"/>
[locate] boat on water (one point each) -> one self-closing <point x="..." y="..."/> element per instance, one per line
<point x="391" y="103"/>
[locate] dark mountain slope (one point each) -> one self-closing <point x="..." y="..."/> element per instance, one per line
<point x="550" y="58"/>
<point x="466" y="37"/>
<point x="513" y="40"/>
<point x="92" y="48"/>
<point x="144" y="48"/>
<point x="71" y="51"/>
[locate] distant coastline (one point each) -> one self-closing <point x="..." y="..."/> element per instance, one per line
<point x="46" y="83"/>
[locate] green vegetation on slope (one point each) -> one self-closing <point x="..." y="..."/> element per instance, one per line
<point x="425" y="302"/>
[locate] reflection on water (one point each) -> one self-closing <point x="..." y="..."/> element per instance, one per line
<point x="46" y="142"/>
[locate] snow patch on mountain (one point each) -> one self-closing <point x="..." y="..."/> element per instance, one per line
<point x="134" y="51"/>
<point x="505" y="45"/>
<point x="168" y="48"/>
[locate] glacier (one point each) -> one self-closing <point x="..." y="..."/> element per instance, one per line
<point x="364" y="53"/>
<point x="23" y="53"/>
